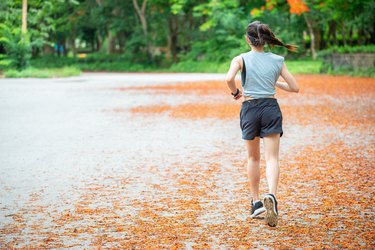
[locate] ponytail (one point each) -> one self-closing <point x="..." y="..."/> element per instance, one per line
<point x="260" y="34"/>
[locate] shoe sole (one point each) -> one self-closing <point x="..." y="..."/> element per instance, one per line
<point x="271" y="216"/>
<point x="258" y="212"/>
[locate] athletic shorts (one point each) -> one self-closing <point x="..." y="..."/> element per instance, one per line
<point x="260" y="117"/>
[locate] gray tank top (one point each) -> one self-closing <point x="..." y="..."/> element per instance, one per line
<point x="260" y="73"/>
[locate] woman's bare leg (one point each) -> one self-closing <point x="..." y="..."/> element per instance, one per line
<point x="271" y="148"/>
<point x="253" y="172"/>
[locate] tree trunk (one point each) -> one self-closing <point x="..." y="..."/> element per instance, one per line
<point x="360" y="37"/>
<point x="343" y="33"/>
<point x="24" y="16"/>
<point x="73" y="45"/>
<point x="173" y="36"/>
<point x="310" y="26"/>
<point x="371" y="39"/>
<point x="47" y="49"/>
<point x="99" y="42"/>
<point x="141" y="12"/>
<point x="121" y="42"/>
<point x="351" y="36"/>
<point x="111" y="45"/>
<point x="191" y="27"/>
<point x="318" y="38"/>
<point x="332" y="38"/>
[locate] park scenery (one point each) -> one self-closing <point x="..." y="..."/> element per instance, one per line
<point x="118" y="129"/>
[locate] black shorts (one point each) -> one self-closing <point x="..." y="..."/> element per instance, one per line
<point x="260" y="117"/>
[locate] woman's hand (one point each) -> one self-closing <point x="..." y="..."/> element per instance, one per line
<point x="238" y="96"/>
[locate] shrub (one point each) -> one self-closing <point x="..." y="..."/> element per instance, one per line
<point x="347" y="49"/>
<point x="17" y="47"/>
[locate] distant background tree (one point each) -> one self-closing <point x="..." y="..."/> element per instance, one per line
<point x="162" y="32"/>
<point x="328" y="22"/>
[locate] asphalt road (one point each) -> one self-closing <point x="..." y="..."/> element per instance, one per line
<point x="54" y="133"/>
<point x="156" y="161"/>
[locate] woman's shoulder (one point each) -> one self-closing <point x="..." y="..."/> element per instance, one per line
<point x="276" y="57"/>
<point x="237" y="58"/>
<point x="245" y="55"/>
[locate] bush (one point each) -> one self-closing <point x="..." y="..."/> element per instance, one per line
<point x="45" y="62"/>
<point x="200" y="67"/>
<point x="17" y="47"/>
<point x="93" y="62"/>
<point x="347" y="49"/>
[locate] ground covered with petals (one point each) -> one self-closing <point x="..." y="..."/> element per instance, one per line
<point x="195" y="195"/>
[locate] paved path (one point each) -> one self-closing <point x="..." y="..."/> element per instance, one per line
<point x="136" y="160"/>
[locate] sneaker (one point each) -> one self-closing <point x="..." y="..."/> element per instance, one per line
<point x="256" y="208"/>
<point x="270" y="204"/>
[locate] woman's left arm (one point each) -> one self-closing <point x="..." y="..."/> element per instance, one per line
<point x="235" y="66"/>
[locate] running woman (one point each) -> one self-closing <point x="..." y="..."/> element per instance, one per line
<point x="260" y="115"/>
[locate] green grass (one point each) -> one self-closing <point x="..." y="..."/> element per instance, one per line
<point x="120" y="63"/>
<point x="45" y="67"/>
<point x="116" y="67"/>
<point x="200" y="67"/>
<point x="43" y="73"/>
<point x="304" y="66"/>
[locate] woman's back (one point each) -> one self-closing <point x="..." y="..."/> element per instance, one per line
<point x="260" y="73"/>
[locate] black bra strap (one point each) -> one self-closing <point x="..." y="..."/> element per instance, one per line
<point x="243" y="72"/>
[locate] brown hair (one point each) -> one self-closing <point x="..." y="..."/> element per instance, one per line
<point x="260" y="34"/>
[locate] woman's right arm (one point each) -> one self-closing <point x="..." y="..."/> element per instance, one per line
<point x="235" y="66"/>
<point x="291" y="84"/>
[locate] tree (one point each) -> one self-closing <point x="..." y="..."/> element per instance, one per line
<point x="141" y="12"/>
<point x="328" y="22"/>
<point x="24" y="16"/>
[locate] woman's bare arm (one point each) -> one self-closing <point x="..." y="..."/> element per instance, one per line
<point x="235" y="66"/>
<point x="291" y="84"/>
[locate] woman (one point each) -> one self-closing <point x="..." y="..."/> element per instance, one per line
<point x="260" y="115"/>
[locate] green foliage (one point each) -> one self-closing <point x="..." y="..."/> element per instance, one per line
<point x="200" y="67"/>
<point x="116" y="67"/>
<point x="93" y="62"/>
<point x="43" y="73"/>
<point x="290" y="32"/>
<point x="17" y="47"/>
<point x="296" y="67"/>
<point x="221" y="35"/>
<point x="188" y="35"/>
<point x="4" y="62"/>
<point x="105" y="62"/>
<point x="120" y="63"/>
<point x="53" y="62"/>
<point x="347" y="49"/>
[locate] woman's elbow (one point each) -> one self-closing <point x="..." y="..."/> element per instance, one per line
<point x="229" y="78"/>
<point x="295" y="87"/>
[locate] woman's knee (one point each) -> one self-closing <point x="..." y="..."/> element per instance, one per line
<point x="253" y="158"/>
<point x="272" y="160"/>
